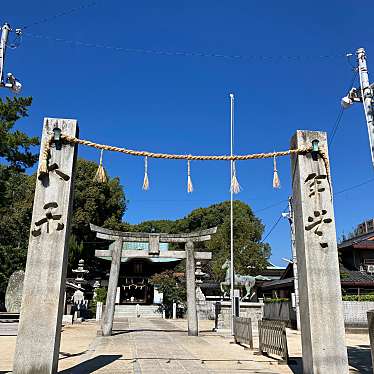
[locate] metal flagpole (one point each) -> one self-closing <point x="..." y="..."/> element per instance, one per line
<point x="232" y="213"/>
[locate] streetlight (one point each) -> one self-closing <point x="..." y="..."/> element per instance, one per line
<point x="13" y="84"/>
<point x="287" y="260"/>
<point x="11" y="81"/>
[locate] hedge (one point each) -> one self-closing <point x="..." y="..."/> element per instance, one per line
<point x="358" y="298"/>
<point x="276" y="300"/>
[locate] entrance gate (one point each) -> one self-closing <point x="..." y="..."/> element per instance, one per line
<point x="116" y="253"/>
<point x="321" y="312"/>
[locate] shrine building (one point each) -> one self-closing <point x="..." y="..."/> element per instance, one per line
<point x="133" y="282"/>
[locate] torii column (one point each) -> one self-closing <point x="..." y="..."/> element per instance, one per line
<point x="193" y="328"/>
<point x="108" y="315"/>
<point x="321" y="311"/>
<point x="154" y="240"/>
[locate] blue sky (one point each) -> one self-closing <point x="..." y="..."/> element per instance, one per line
<point x="180" y="104"/>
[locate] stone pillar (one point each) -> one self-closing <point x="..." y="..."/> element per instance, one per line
<point x="99" y="310"/>
<point x="174" y="310"/>
<point x="191" y="294"/>
<point x="370" y="314"/>
<point x="38" y="339"/>
<point x="108" y="315"/>
<point x="321" y="311"/>
<point x="118" y="295"/>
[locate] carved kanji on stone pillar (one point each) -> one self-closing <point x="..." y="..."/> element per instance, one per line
<point x="321" y="310"/>
<point x="38" y="339"/>
<point x="315" y="185"/>
<point x="51" y="220"/>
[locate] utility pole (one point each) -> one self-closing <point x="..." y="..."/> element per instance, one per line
<point x="11" y="82"/>
<point x="290" y="216"/>
<point x="3" y="43"/>
<point x="364" y="94"/>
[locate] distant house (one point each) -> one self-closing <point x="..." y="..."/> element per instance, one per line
<point x="283" y="287"/>
<point x="356" y="256"/>
<point x="356" y="261"/>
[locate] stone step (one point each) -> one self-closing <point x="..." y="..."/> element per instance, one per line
<point x="130" y="311"/>
<point x="9" y="328"/>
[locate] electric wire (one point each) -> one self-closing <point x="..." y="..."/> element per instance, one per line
<point x="274" y="226"/>
<point x="245" y="58"/>
<point x="341" y="111"/>
<point x="60" y="14"/>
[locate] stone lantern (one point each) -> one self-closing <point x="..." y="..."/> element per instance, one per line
<point x="199" y="274"/>
<point x="78" y="296"/>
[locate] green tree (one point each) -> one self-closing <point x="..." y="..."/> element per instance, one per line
<point x="154" y="226"/>
<point x="102" y="204"/>
<point x="99" y="203"/>
<point x="249" y="252"/>
<point x="173" y="287"/>
<point x="15" y="145"/>
<point x="15" y="213"/>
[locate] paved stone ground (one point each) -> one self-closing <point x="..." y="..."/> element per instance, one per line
<point x="162" y="346"/>
<point x="159" y="346"/>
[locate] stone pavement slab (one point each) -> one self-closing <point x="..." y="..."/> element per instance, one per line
<point x="162" y="346"/>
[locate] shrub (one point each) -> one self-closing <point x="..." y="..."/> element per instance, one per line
<point x="101" y="294"/>
<point x="276" y="300"/>
<point x="100" y="297"/>
<point x="358" y="298"/>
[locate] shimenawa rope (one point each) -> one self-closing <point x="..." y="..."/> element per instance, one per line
<point x="43" y="168"/>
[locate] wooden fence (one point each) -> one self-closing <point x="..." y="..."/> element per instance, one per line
<point x="243" y="331"/>
<point x="272" y="338"/>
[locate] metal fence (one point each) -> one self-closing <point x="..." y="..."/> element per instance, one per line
<point x="272" y="338"/>
<point x="243" y="331"/>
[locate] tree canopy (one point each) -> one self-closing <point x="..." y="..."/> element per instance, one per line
<point x="250" y="253"/>
<point x="100" y="203"/>
<point x="14" y="144"/>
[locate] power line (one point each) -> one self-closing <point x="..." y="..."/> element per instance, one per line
<point x="248" y="58"/>
<point x="60" y="14"/>
<point x="341" y="112"/>
<point x="274" y="226"/>
<point x="354" y="187"/>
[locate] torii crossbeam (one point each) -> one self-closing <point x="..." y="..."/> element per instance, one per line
<point x="154" y="239"/>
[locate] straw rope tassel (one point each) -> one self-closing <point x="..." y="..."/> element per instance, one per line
<point x="100" y="175"/>
<point x="189" y="180"/>
<point x="276" y="181"/>
<point x="235" y="186"/>
<point x="146" y="180"/>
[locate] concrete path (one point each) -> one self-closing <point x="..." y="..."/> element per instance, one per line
<point x="158" y="346"/>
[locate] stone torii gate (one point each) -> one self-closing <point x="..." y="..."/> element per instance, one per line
<point x="154" y="239"/>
